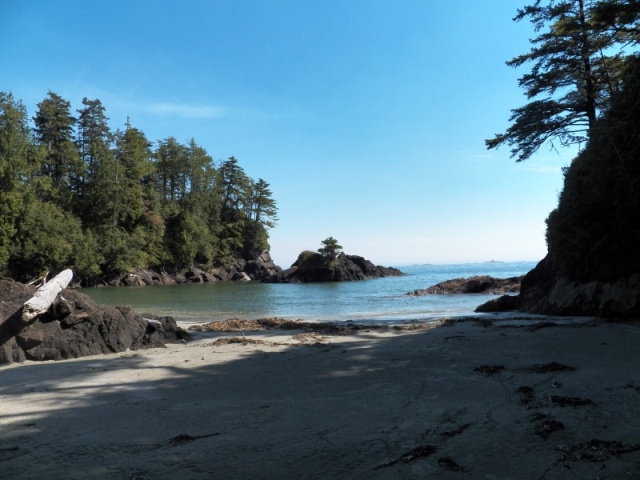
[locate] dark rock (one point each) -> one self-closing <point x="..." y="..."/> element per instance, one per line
<point x="593" y="263"/>
<point x="546" y="290"/>
<point x="75" y="326"/>
<point x="258" y="267"/>
<point x="480" y="284"/>
<point x="312" y="267"/>
<point x="505" y="303"/>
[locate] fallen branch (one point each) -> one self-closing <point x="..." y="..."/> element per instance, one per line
<point x="45" y="296"/>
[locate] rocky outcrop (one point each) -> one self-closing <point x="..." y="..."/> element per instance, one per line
<point x="482" y="284"/>
<point x="313" y="267"/>
<point x="545" y="291"/>
<point x="257" y="267"/>
<point x="593" y="262"/>
<point x="75" y="326"/>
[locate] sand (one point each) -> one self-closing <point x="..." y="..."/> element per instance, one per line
<point x="501" y="399"/>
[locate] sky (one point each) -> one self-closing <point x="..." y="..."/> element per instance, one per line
<point x="366" y="117"/>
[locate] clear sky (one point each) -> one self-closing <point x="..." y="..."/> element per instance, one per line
<point x="367" y="117"/>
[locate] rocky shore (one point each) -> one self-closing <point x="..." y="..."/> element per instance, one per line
<point x="258" y="267"/>
<point x="75" y="326"/>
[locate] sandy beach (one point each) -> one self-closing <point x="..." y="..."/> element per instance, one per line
<point x="486" y="398"/>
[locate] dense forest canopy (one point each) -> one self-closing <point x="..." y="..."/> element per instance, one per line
<point x="75" y="194"/>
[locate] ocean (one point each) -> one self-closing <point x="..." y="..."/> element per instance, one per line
<point x="379" y="300"/>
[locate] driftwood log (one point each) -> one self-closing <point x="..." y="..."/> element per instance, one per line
<point x="45" y="296"/>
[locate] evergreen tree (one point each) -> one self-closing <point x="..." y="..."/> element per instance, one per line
<point x="330" y="248"/>
<point x="54" y="129"/>
<point x="172" y="164"/>
<point x="575" y="73"/>
<point x="94" y="144"/>
<point x="133" y="156"/>
<point x="621" y="18"/>
<point x="263" y="206"/>
<point x="16" y="147"/>
<point x="235" y="185"/>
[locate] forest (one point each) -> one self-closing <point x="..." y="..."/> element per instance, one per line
<point x="75" y="194"/>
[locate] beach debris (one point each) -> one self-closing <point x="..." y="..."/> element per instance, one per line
<point x="449" y="464"/>
<point x="45" y="296"/>
<point x="338" y="328"/>
<point x="540" y="325"/>
<point x="563" y="401"/>
<point x="452" y="433"/>
<point x="232" y="340"/>
<point x="633" y="387"/>
<point x="309" y="338"/>
<point x="552" y="367"/>
<point x="595" y="450"/>
<point x="527" y="394"/>
<point x="547" y="426"/>
<point x="422" y="451"/>
<point x="488" y="370"/>
<point x="185" y="438"/>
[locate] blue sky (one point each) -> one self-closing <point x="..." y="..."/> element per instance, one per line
<point x="367" y="117"/>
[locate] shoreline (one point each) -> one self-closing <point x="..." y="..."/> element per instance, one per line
<point x="506" y="397"/>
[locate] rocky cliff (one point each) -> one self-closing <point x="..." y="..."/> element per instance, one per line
<point x="593" y="236"/>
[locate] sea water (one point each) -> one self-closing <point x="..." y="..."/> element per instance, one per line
<point x="378" y="300"/>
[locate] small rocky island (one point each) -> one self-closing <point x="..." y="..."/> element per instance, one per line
<point x="315" y="267"/>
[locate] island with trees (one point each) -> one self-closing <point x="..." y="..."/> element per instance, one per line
<point x="331" y="264"/>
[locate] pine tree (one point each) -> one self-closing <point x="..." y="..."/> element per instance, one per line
<point x="575" y="73"/>
<point x="16" y="147"/>
<point x="54" y="129"/>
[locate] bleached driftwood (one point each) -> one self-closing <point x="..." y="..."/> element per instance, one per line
<point x="46" y="295"/>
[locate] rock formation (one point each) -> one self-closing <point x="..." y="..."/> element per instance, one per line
<point x="313" y="267"/>
<point x="483" y="284"/>
<point x="74" y="326"/>
<point x="593" y="261"/>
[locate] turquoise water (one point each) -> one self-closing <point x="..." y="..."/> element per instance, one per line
<point x="373" y="300"/>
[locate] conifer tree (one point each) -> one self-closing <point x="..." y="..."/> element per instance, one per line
<point x="16" y="147"/>
<point x="575" y="72"/>
<point x="54" y="127"/>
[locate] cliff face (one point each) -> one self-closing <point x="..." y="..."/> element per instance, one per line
<point x="593" y="236"/>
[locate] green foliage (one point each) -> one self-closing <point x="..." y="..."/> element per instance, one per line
<point x="47" y="238"/>
<point x="330" y="248"/>
<point x="576" y="72"/>
<point x="310" y="261"/>
<point x="101" y="202"/>
<point x="263" y="206"/>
